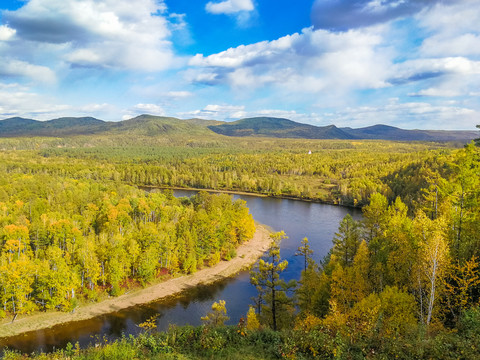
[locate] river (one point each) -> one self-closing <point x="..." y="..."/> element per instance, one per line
<point x="298" y="219"/>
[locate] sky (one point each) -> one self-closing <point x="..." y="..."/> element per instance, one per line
<point x="413" y="64"/>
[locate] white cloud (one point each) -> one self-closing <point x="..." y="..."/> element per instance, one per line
<point x="223" y="108"/>
<point x="13" y="68"/>
<point x="217" y="112"/>
<point x="18" y="100"/>
<point x="140" y="109"/>
<point x="311" y="118"/>
<point x="178" y="94"/>
<point x="454" y="29"/>
<point x="437" y="92"/>
<point x="341" y="15"/>
<point x="90" y="109"/>
<point x="102" y="33"/>
<point x="407" y="115"/>
<point x="229" y="6"/>
<point x="311" y="61"/>
<point x="419" y="69"/>
<point x="462" y="45"/>
<point x="6" y="33"/>
<point x="151" y="109"/>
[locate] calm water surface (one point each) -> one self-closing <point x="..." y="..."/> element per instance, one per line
<point x="298" y="219"/>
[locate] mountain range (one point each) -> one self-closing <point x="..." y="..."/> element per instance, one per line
<point x="148" y="125"/>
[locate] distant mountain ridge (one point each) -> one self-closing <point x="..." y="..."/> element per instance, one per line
<point x="65" y="126"/>
<point x="149" y="125"/>
<point x="386" y="132"/>
<point x="278" y="127"/>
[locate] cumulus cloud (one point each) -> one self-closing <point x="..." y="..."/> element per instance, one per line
<point x="217" y="112"/>
<point x="407" y="115"/>
<point x="340" y="15"/>
<point x="18" y="100"/>
<point x="410" y="115"/>
<point x="139" y="109"/>
<point x="311" y="61"/>
<point x="14" y="68"/>
<point x="102" y="33"/>
<point x="93" y="108"/>
<point x="6" y="33"/>
<point x="420" y="69"/>
<point x="454" y="29"/>
<point x="229" y="6"/>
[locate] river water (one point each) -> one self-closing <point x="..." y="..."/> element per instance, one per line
<point x="298" y="219"/>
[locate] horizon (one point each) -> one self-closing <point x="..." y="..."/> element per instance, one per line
<point x="408" y="64"/>
<point x="231" y="121"/>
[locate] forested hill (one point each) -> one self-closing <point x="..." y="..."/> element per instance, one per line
<point x="66" y="126"/>
<point x="148" y="125"/>
<point x="277" y="127"/>
<point x="284" y="128"/>
<point x="145" y="125"/>
<point x="386" y="132"/>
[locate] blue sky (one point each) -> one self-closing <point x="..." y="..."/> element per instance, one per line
<point x="406" y="63"/>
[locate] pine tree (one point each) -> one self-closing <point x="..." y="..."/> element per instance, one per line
<point x="272" y="289"/>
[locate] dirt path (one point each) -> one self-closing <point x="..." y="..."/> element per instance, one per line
<point x="247" y="255"/>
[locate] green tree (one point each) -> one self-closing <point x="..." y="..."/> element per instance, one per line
<point x="466" y="201"/>
<point x="271" y="288"/>
<point x="306" y="252"/>
<point x="309" y="277"/>
<point x="346" y="241"/>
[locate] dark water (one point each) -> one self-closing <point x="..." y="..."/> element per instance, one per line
<point x="298" y="219"/>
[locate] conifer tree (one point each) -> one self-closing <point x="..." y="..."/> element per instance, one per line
<point x="272" y="289"/>
<point x="346" y="241"/>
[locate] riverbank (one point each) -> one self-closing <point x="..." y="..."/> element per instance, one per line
<point x="255" y="194"/>
<point x="247" y="255"/>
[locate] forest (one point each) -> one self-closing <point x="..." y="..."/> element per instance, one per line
<point x="65" y="240"/>
<point x="332" y="171"/>
<point x="403" y="282"/>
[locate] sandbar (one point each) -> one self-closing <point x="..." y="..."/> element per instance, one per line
<point x="247" y="254"/>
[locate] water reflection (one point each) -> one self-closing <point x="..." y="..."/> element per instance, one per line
<point x="298" y="219"/>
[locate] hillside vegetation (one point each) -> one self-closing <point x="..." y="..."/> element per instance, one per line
<point x="402" y="283"/>
<point x="148" y="125"/>
<point x="341" y="172"/>
<point x="63" y="239"/>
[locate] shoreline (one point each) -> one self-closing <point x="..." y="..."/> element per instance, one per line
<point x="247" y="254"/>
<point x="253" y="194"/>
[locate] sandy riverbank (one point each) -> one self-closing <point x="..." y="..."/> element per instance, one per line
<point x="247" y="255"/>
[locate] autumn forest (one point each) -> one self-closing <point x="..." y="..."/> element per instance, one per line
<point x="83" y="218"/>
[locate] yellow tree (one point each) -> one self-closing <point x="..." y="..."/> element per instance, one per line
<point x="461" y="285"/>
<point x="89" y="265"/>
<point x="401" y="246"/>
<point x="16" y="240"/>
<point x="218" y="316"/>
<point x="18" y="277"/>
<point x="434" y="255"/>
<point x="350" y="284"/>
